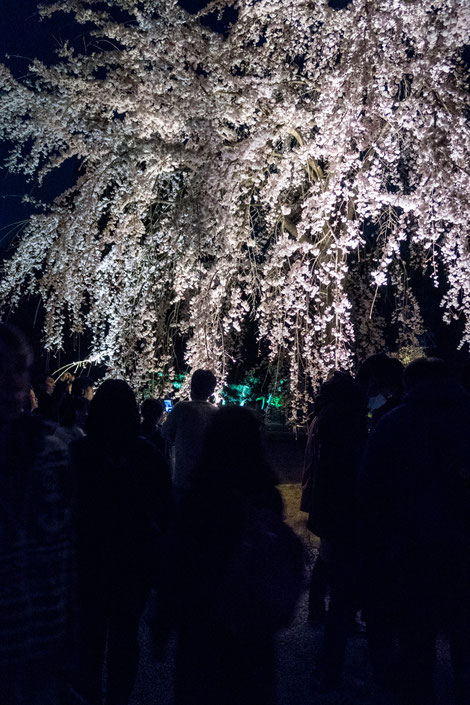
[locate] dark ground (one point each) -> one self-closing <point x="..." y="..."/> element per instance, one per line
<point x="297" y="646"/>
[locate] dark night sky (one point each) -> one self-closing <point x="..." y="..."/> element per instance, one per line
<point x="23" y="37"/>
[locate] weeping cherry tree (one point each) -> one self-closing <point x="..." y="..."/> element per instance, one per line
<point x="284" y="174"/>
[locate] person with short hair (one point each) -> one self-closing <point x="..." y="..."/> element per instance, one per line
<point x="185" y="429"/>
<point x="83" y="387"/>
<point x="47" y="407"/>
<point x="72" y="416"/>
<point x="80" y="397"/>
<point x="151" y="411"/>
<point x="381" y="378"/>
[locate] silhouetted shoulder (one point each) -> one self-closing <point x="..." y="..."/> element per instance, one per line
<point x="81" y="447"/>
<point x="390" y="419"/>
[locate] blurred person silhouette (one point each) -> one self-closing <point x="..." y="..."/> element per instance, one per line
<point x="51" y="394"/>
<point x="72" y="415"/>
<point x="81" y="395"/>
<point x="35" y="540"/>
<point x="151" y="411"/>
<point x="185" y="427"/>
<point x="123" y="507"/>
<point x="234" y="570"/>
<point x="335" y="449"/>
<point x="83" y="387"/>
<point x="381" y="377"/>
<point x="319" y="577"/>
<point x="47" y="401"/>
<point x="31" y="401"/>
<point x="414" y="496"/>
<point x="65" y="381"/>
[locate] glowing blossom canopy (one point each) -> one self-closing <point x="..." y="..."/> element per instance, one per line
<point x="282" y="173"/>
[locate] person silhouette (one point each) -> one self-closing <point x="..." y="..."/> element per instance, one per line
<point x="36" y="539"/>
<point x="185" y="427"/>
<point x="414" y="504"/>
<point x="151" y="411"/>
<point x="234" y="570"/>
<point x="381" y="378"/>
<point x="336" y="444"/>
<point x="123" y="506"/>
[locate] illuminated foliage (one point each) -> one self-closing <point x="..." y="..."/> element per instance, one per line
<point x="281" y="172"/>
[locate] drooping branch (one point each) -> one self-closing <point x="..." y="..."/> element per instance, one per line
<point x="247" y="176"/>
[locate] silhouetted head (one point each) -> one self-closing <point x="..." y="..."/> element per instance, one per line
<point x="233" y="454"/>
<point x="44" y="383"/>
<point x="48" y="384"/>
<point x="73" y="410"/>
<point x="340" y="391"/>
<point x="83" y="387"/>
<point x="381" y="374"/>
<point x="431" y="371"/>
<point x="31" y="400"/>
<point x="15" y="362"/>
<point x="113" y="416"/>
<point x="202" y="384"/>
<point x="152" y="410"/>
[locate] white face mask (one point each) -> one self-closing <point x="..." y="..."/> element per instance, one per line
<point x="376" y="402"/>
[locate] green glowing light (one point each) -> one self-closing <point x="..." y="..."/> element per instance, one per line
<point x="178" y="381"/>
<point x="248" y="393"/>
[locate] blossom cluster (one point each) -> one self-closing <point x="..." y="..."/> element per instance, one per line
<point x="281" y="173"/>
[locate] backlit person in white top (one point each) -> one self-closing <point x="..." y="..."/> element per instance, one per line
<point x="185" y="428"/>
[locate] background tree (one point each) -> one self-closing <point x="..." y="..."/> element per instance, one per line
<point x="283" y="172"/>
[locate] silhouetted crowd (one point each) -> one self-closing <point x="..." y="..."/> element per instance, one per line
<point x="107" y="514"/>
<point x="387" y="488"/>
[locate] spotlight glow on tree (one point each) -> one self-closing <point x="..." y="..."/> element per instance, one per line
<point x="285" y="173"/>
